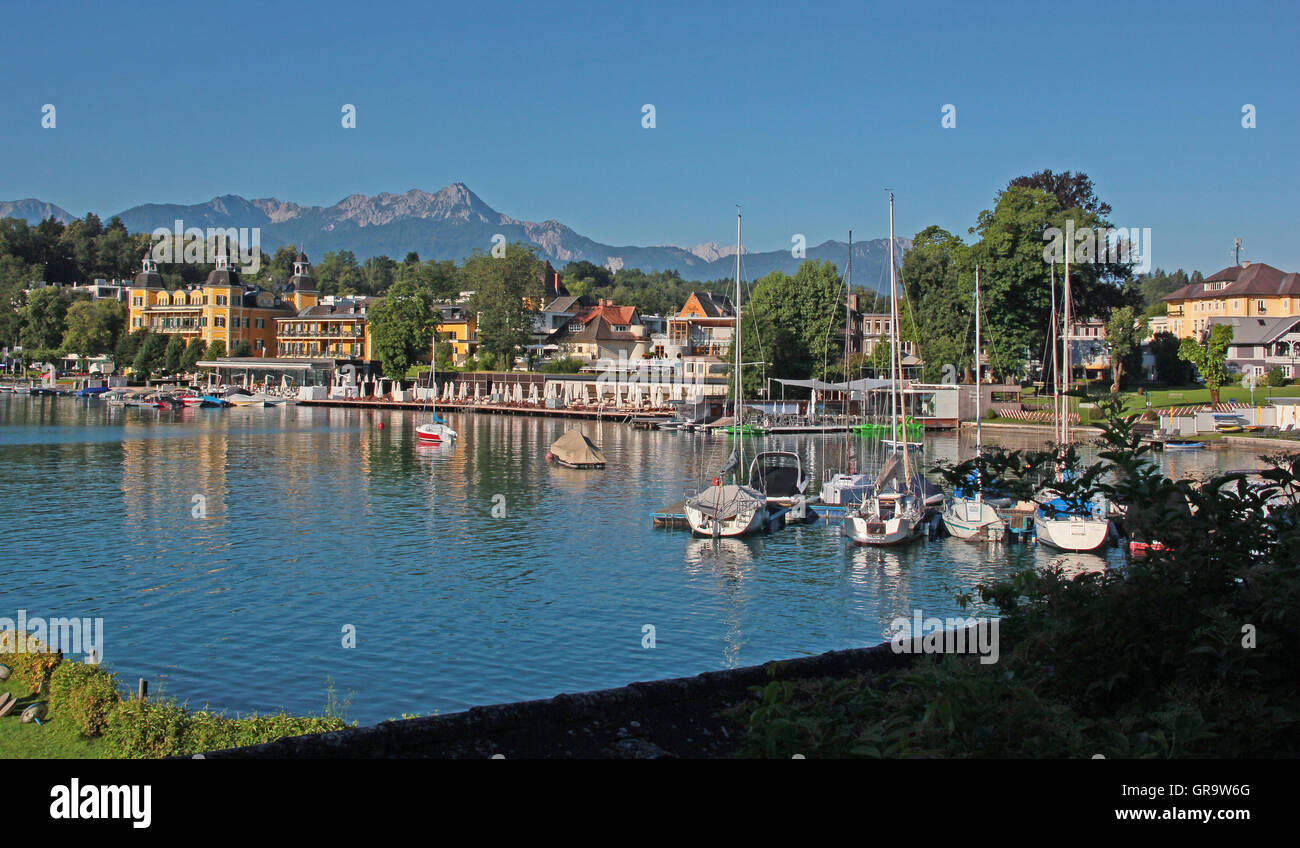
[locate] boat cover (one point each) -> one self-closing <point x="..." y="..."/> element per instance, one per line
<point x="575" y="448"/>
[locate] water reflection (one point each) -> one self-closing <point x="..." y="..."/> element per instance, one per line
<point x="474" y="572"/>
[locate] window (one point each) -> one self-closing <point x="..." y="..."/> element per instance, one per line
<point x="258" y="345"/>
<point x="219" y="321"/>
<point x="261" y="323"/>
<point x="1261" y="306"/>
<point x="137" y="301"/>
<point x="135" y="322"/>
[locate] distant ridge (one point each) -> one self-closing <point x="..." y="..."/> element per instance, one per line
<point x="451" y="224"/>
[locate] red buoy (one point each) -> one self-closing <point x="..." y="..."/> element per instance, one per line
<point x="381" y="425"/>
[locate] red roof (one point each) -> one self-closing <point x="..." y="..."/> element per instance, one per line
<point x="1253" y="280"/>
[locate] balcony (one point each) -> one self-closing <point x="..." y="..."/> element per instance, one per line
<point x="323" y="333"/>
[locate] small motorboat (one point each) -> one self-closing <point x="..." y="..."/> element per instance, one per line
<point x="1183" y="444"/>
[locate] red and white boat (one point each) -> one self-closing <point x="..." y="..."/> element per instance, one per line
<point x="435" y="431"/>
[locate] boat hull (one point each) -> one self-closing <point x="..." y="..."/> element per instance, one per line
<point x="434" y="434"/>
<point x="1072" y="533"/>
<point x="969" y="519"/>
<point x="888" y="531"/>
<point x="726" y="512"/>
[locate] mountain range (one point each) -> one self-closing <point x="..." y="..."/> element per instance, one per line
<point x="451" y="224"/>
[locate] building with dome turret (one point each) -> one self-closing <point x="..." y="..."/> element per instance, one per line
<point x="223" y="308"/>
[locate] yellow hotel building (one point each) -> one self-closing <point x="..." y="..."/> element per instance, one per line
<point x="222" y="308"/>
<point x="1248" y="290"/>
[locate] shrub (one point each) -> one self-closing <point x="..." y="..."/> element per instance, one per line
<point x="138" y="729"/>
<point x="1277" y="378"/>
<point x="85" y="695"/>
<point x="33" y="664"/>
<point x="1148" y="660"/>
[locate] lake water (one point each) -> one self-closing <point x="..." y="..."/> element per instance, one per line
<point x="475" y="574"/>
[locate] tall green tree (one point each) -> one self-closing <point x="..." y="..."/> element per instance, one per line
<point x="193" y="353"/>
<point x="93" y="327"/>
<point x="793" y="324"/>
<point x="400" y="327"/>
<point x="216" y="350"/>
<point x="173" y="353"/>
<point x="45" y="318"/>
<point x="1013" y="253"/>
<point x="150" y="357"/>
<point x="1209" y="358"/>
<point x="937" y="280"/>
<point x="1125" y="331"/>
<point x="507" y="296"/>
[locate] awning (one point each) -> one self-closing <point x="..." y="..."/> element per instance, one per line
<point x="821" y="386"/>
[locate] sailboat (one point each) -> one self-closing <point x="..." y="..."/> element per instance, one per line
<point x="893" y="514"/>
<point x="848" y="486"/>
<point x="435" y="431"/>
<point x="730" y="509"/>
<point x="1067" y="524"/>
<point x="968" y="515"/>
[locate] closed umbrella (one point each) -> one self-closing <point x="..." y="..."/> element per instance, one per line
<point x="519" y="393"/>
<point x="532" y="394"/>
<point x="476" y="392"/>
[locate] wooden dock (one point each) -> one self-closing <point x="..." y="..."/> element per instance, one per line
<point x="588" y="412"/>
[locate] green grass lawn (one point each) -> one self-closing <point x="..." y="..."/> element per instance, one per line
<point x="51" y="739"/>
<point x="1160" y="399"/>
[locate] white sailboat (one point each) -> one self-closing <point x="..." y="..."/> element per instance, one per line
<point x="894" y="513"/>
<point x="730" y="509"/>
<point x="849" y="486"/>
<point x="968" y="515"/>
<point x="435" y="431"/>
<point x="1067" y="525"/>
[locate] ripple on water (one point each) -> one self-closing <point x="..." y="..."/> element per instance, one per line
<point x="474" y="574"/>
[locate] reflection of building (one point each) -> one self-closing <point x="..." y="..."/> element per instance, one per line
<point x="221" y="309"/>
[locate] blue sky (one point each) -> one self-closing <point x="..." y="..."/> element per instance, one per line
<point x="802" y="114"/>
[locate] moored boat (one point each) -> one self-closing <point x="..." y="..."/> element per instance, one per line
<point x="730" y="509"/>
<point x="575" y="450"/>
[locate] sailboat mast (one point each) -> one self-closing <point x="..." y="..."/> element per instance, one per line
<point x="1065" y="353"/>
<point x="1056" y="371"/>
<point x="979" y="388"/>
<point x="894" y="355"/>
<point x="898" y="347"/>
<point x="739" y="405"/>
<point x="848" y="378"/>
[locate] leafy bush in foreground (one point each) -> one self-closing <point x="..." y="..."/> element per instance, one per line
<point x="1189" y="653"/>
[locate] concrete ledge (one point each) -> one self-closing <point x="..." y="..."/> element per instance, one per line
<point x="1292" y="445"/>
<point x="679" y="717"/>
